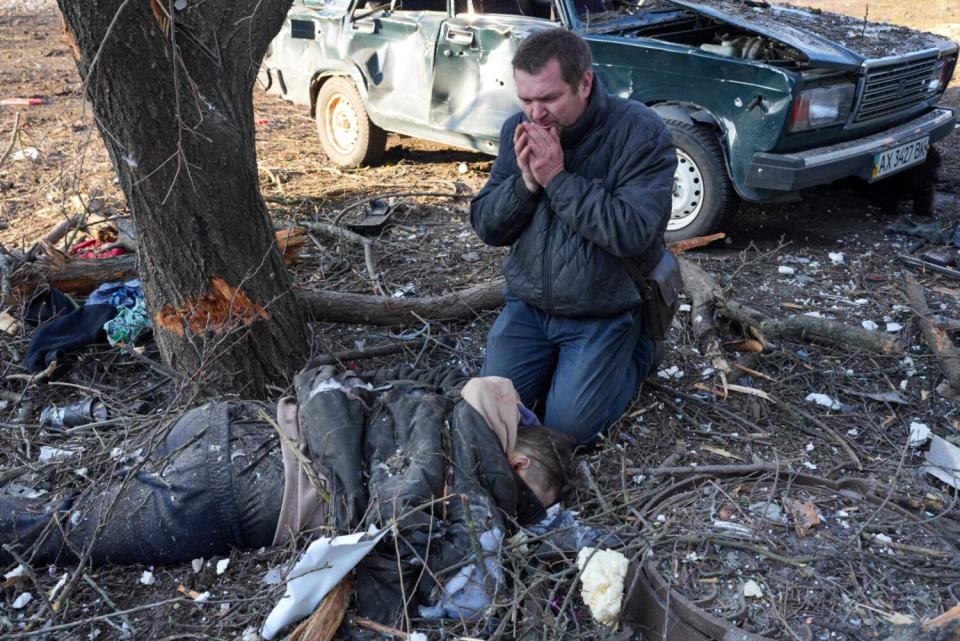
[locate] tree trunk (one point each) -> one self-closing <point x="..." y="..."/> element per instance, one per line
<point x="172" y="92"/>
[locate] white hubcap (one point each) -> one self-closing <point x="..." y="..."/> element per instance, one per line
<point x="687" y="192"/>
<point x="341" y="123"/>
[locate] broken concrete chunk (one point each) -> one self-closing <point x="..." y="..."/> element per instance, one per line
<point x="944" y="461"/>
<point x="919" y="434"/>
<point x="752" y="590"/>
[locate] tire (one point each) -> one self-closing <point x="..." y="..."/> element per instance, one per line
<point x="703" y="197"/>
<point x="347" y="135"/>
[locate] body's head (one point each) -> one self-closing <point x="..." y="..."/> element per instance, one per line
<point x="553" y="76"/>
<point x="543" y="457"/>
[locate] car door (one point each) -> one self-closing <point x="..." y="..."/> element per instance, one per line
<point x="473" y="86"/>
<point x="393" y="44"/>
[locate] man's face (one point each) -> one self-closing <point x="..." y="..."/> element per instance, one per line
<point x="548" y="100"/>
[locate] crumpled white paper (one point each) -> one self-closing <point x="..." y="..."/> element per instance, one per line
<point x="318" y="570"/>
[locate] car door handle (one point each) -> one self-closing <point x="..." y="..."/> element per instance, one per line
<point x="460" y="36"/>
<point x="365" y="26"/>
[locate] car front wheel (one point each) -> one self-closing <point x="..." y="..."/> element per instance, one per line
<point x="347" y="135"/>
<point x="703" y="196"/>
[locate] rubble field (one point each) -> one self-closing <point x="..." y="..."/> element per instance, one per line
<point x="787" y="561"/>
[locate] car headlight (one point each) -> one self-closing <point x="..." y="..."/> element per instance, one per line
<point x="822" y="107"/>
<point x="940" y="77"/>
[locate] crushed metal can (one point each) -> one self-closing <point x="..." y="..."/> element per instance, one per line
<point x="91" y="410"/>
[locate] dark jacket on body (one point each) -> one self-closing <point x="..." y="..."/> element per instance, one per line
<point x="613" y="201"/>
<point x="409" y="455"/>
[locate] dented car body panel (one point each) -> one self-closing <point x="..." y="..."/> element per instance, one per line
<point x="440" y="70"/>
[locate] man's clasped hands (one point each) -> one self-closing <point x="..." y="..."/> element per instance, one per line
<point x="539" y="154"/>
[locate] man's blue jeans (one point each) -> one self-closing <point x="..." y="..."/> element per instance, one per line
<point x="586" y="370"/>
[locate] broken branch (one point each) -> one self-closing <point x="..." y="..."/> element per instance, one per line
<point x="810" y="328"/>
<point x="693" y="243"/>
<point x="13" y="138"/>
<point x="343" y="307"/>
<point x="356" y="239"/>
<point x="938" y="340"/>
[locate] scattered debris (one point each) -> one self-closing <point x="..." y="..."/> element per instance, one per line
<point x="602" y="573"/>
<point x="919" y="434"/>
<point x="27" y="153"/>
<point x="21" y="601"/>
<point x="752" y="590"/>
<point x="824" y="401"/>
<point x="21" y="102"/>
<point x="943" y="461"/>
<point x="804" y="515"/>
<point x="9" y="324"/>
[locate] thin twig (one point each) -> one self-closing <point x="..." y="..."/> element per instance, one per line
<point x="13" y="138"/>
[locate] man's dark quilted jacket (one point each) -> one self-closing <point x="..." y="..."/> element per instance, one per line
<point x="613" y="201"/>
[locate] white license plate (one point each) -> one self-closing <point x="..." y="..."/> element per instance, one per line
<point x="893" y="160"/>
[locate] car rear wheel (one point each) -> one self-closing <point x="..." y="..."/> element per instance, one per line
<point x="348" y="136"/>
<point x="703" y="196"/>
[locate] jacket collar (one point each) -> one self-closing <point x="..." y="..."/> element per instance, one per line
<point x="591" y="117"/>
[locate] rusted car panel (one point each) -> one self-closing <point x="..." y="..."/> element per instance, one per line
<point x="762" y="100"/>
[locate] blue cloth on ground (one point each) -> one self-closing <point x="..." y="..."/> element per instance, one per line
<point x="118" y="294"/>
<point x="465" y="595"/>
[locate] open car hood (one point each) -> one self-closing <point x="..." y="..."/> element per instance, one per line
<point x="829" y="40"/>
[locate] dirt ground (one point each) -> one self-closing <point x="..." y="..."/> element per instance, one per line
<point x="430" y="249"/>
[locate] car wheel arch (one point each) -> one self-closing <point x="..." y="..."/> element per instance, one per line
<point x="689" y="113"/>
<point x="693" y="114"/>
<point x="319" y="78"/>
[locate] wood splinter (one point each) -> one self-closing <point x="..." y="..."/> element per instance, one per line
<point x="222" y="309"/>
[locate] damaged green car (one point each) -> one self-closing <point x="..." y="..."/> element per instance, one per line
<point x="762" y="100"/>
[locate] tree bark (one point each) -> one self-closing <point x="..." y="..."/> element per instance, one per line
<point x="172" y="92"/>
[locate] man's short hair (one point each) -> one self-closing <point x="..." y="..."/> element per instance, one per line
<point x="569" y="49"/>
<point x="551" y="458"/>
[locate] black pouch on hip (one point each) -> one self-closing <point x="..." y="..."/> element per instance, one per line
<point x="660" y="294"/>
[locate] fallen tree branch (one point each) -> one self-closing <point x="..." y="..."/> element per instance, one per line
<point x="671" y="470"/>
<point x="693" y="243"/>
<point x="369" y="352"/>
<point x="382" y="629"/>
<point x="83" y="276"/>
<point x="6" y="275"/>
<point x="357" y="239"/>
<point x="13" y="138"/>
<point x="810" y="328"/>
<point x="945" y="627"/>
<point x="938" y="340"/>
<point x="704" y="294"/>
<point x="343" y="307"/>
<point x="939" y="269"/>
<point x="323" y="624"/>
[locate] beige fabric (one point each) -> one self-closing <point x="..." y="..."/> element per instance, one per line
<point x="302" y="508"/>
<point x="497" y="401"/>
